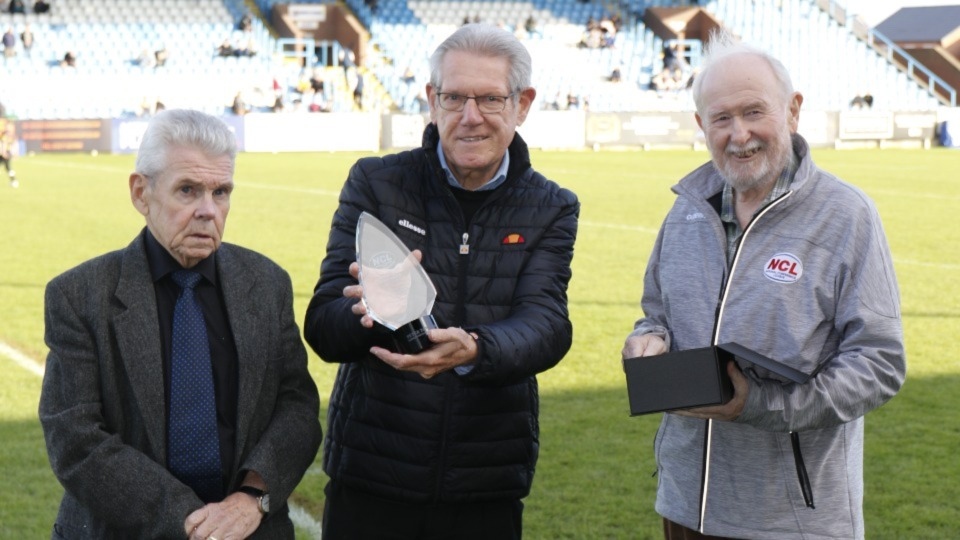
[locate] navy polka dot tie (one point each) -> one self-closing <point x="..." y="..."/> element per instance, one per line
<point x="193" y="445"/>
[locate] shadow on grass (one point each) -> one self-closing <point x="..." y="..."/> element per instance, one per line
<point x="28" y="504"/>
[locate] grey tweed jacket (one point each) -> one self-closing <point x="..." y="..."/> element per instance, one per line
<point x="102" y="404"/>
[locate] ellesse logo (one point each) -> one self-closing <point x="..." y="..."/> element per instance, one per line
<point x="514" y="238"/>
<point x="783" y="268"/>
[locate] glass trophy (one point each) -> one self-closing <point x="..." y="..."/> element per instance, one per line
<point x="397" y="291"/>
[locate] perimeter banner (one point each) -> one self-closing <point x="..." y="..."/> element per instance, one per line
<point x="64" y="135"/>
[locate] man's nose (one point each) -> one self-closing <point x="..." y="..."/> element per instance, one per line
<point x="739" y="131"/>
<point x="471" y="112"/>
<point x="206" y="206"/>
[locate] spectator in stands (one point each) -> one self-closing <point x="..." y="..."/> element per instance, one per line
<point x="69" y="60"/>
<point x="443" y="444"/>
<point x="9" y="43"/>
<point x="249" y="47"/>
<point x="41" y="6"/>
<point x="317" y="80"/>
<point x="225" y="48"/>
<point x="862" y="102"/>
<point x="671" y="57"/>
<point x="240" y="44"/>
<point x="26" y="39"/>
<point x="667" y="81"/>
<point x="348" y="60"/>
<point x="592" y="38"/>
<point x="358" y="93"/>
<point x="421" y="103"/>
<point x="246" y="23"/>
<point x="556" y="103"/>
<point x="617" y="73"/>
<point x="147" y="106"/>
<point x="161" y="55"/>
<point x="408" y="77"/>
<point x="780" y="459"/>
<point x="608" y="31"/>
<point x="147" y="58"/>
<point x="530" y="25"/>
<point x="17" y="6"/>
<point x="239" y="106"/>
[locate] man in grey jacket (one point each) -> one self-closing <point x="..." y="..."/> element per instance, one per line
<point x="133" y="332"/>
<point x="765" y="249"/>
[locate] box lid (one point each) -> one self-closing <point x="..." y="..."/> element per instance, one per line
<point x="749" y="356"/>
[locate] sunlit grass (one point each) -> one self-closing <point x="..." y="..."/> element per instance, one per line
<point x="594" y="478"/>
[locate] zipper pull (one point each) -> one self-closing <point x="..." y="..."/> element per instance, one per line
<point x="464" y="246"/>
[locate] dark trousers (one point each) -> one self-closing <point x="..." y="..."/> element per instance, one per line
<point x="353" y="515"/>
<point x="675" y="531"/>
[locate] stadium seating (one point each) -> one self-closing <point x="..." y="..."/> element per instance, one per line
<point x="829" y="64"/>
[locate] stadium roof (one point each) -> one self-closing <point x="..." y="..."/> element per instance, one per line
<point x="929" y="24"/>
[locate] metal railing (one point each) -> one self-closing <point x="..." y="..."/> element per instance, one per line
<point x="937" y="87"/>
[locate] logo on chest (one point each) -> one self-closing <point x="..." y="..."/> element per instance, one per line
<point x="783" y="268"/>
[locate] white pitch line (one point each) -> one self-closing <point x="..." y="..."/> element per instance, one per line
<point x="21" y="359"/>
<point x="310" y="191"/>
<point x="620" y="226"/>
<point x="305" y="522"/>
<point x="944" y="266"/>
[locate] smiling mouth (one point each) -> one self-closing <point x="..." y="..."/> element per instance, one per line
<point x="745" y="153"/>
<point x="472" y="139"/>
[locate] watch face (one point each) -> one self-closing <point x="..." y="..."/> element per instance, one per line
<point x="265" y="503"/>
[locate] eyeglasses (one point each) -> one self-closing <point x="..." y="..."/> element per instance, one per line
<point x="486" y="104"/>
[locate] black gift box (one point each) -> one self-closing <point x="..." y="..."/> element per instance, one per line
<point x="693" y="378"/>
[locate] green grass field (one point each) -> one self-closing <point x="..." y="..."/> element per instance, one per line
<point x="594" y="478"/>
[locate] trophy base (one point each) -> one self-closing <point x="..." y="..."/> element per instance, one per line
<point x="411" y="338"/>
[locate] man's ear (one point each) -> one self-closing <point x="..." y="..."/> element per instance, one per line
<point x="527" y="96"/>
<point x="432" y="103"/>
<point x="138" y="192"/>
<point x="796" y="100"/>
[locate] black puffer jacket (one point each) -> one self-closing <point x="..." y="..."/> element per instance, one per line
<point x="452" y="438"/>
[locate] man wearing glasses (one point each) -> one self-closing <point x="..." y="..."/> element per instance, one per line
<point x="443" y="444"/>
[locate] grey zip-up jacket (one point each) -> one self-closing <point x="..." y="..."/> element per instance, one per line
<point x="812" y="285"/>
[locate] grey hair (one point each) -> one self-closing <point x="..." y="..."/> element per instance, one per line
<point x="485" y="40"/>
<point x="174" y="128"/>
<point x="722" y="45"/>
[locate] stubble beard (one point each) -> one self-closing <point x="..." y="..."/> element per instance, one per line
<point x="775" y="158"/>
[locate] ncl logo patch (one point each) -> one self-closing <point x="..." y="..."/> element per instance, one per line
<point x="783" y="268"/>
